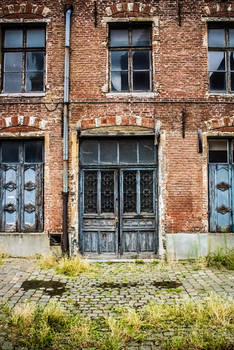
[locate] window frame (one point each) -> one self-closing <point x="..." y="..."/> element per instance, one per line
<point x="24" y="49"/>
<point x="227" y="52"/>
<point x="130" y="48"/>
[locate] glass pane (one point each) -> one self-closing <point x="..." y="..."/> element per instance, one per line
<point x="34" y="81"/>
<point x="108" y="152"/>
<point x="232" y="60"/>
<point x="147" y="191"/>
<point x="217" y="81"/>
<point x="107" y="191"/>
<point x="10" y="151"/>
<point x="129" y="189"/>
<point x="128" y="151"/>
<point x="218" y="151"/>
<point x="141" y="37"/>
<point x="232" y="81"/>
<point x="12" y="82"/>
<point x="119" y="81"/>
<point x="33" y="151"/>
<point x="216" y="37"/>
<point x="35" y="61"/>
<point x="216" y="60"/>
<point x="13" y="38"/>
<point x="119" y="37"/>
<point x="13" y="62"/>
<point x="231" y="37"/>
<point x="35" y="37"/>
<point x="146" y="151"/>
<point x="140" y="59"/>
<point x="119" y="60"/>
<point x="89" y="152"/>
<point x="90" y="191"/>
<point x="141" y="81"/>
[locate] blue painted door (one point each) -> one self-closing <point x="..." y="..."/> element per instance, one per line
<point x="21" y="183"/>
<point x="118" y="196"/>
<point x="221" y="185"/>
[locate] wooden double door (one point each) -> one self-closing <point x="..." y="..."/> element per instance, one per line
<point x="118" y="201"/>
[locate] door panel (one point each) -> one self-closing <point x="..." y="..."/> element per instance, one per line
<point x="100" y="211"/>
<point x="138" y="210"/>
<point x="10" y="198"/>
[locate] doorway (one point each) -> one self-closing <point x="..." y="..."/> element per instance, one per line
<point x="118" y="196"/>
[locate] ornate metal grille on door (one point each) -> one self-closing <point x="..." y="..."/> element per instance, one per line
<point x="118" y="202"/>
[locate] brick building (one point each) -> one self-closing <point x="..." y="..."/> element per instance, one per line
<point x="116" y="127"/>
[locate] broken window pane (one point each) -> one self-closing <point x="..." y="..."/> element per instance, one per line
<point x="33" y="151"/>
<point x="34" y="81"/>
<point x="13" y="38"/>
<point x="216" y="37"/>
<point x="218" y="151"/>
<point x="217" y="81"/>
<point x="118" y="37"/>
<point x="119" y="60"/>
<point x="35" y="37"/>
<point x="141" y="81"/>
<point x="216" y="60"/>
<point x="140" y="37"/>
<point x="35" y="61"/>
<point x="140" y="59"/>
<point x="10" y="152"/>
<point x="119" y="81"/>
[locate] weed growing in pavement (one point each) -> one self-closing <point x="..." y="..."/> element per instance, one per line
<point x="192" y="325"/>
<point x="221" y="259"/>
<point x="66" y="266"/>
<point x="3" y="256"/>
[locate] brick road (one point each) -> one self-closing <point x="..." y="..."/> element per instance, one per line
<point x="111" y="286"/>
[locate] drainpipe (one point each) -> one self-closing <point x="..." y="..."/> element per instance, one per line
<point x="65" y="242"/>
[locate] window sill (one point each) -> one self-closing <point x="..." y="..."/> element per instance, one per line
<point x="148" y="94"/>
<point x="23" y="94"/>
<point x="222" y="94"/>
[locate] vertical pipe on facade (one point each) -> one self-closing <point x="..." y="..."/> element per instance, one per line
<point x="65" y="247"/>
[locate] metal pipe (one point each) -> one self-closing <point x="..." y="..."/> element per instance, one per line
<point x="65" y="241"/>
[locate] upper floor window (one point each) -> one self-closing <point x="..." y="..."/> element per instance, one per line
<point x="23" y="59"/>
<point x="221" y="57"/>
<point x="130" y="58"/>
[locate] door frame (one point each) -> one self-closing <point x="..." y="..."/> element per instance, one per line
<point x="118" y="168"/>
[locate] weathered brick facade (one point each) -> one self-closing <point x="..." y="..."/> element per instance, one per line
<point x="178" y="108"/>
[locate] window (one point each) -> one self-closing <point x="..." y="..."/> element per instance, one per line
<point x="130" y="58"/>
<point x="221" y="57"/>
<point x="218" y="151"/>
<point x="23" y="59"/>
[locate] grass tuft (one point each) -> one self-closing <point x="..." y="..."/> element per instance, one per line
<point x="66" y="266"/>
<point x="193" y="325"/>
<point x="221" y="259"/>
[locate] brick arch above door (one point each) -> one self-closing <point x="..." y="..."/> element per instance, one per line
<point x="22" y="123"/>
<point x="116" y="121"/>
<point x="220" y="123"/>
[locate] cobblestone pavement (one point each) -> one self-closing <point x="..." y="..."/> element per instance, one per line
<point x="112" y="285"/>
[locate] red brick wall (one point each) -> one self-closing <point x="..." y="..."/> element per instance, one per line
<point x="180" y="83"/>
